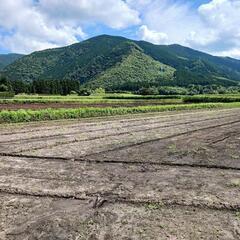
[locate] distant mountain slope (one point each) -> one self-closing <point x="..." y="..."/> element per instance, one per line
<point x="195" y="62"/>
<point x="6" y="59"/>
<point x="136" y="69"/>
<point x="117" y="62"/>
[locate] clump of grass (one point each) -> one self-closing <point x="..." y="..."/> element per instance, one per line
<point x="154" y="206"/>
<point x="55" y="114"/>
<point x="235" y="183"/>
<point x="172" y="149"/>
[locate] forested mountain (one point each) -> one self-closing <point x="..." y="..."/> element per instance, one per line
<point x="6" y="59"/>
<point x="117" y="63"/>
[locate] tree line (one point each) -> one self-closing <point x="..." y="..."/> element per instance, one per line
<point x="65" y="87"/>
<point x="62" y="87"/>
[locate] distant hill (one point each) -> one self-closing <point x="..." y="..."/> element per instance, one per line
<point x="6" y="59"/>
<point x="118" y="63"/>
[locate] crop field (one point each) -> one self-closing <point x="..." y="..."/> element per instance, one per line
<point x="163" y="175"/>
<point x="36" y="102"/>
<point x="28" y="108"/>
<point x="36" y="105"/>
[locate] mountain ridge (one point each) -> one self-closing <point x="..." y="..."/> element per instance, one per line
<point x="6" y="59"/>
<point x="88" y="61"/>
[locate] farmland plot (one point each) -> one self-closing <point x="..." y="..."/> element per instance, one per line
<point x="152" y="176"/>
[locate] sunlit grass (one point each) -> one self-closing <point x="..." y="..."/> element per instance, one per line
<point x="54" y="114"/>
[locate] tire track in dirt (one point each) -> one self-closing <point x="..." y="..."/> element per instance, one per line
<point x="87" y="158"/>
<point x="111" y="199"/>
<point x="127" y="162"/>
<point x="115" y="183"/>
<point x="53" y="136"/>
<point x="74" y="150"/>
<point x="164" y="138"/>
<point x="129" y="118"/>
<point x="106" y="135"/>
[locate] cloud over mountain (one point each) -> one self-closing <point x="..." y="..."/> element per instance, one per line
<point x="207" y="25"/>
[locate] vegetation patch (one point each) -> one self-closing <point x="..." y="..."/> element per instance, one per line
<point x="207" y="99"/>
<point x="54" y="114"/>
<point x="154" y="206"/>
<point x="235" y="182"/>
<point x="129" y="96"/>
<point x="6" y="95"/>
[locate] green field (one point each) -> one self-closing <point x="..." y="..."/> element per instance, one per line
<point x="55" y="114"/>
<point x="107" y="98"/>
<point x="41" y="107"/>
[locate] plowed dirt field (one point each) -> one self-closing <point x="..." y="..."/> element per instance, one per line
<point x="148" y="176"/>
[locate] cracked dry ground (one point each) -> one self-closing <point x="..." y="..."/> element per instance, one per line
<point x="153" y="176"/>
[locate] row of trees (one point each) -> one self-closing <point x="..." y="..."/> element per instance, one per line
<point x="190" y="90"/>
<point x="64" y="87"/>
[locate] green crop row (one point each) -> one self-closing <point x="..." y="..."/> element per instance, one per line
<point x="213" y="99"/>
<point x="6" y="95"/>
<point x="54" y="114"/>
<point x="144" y="97"/>
<point x="86" y="101"/>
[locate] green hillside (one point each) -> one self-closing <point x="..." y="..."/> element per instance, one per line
<point x="134" y="71"/>
<point x="6" y="59"/>
<point x="80" y="61"/>
<point x="117" y="63"/>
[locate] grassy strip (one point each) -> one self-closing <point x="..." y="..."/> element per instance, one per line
<point x="86" y="101"/>
<point x="208" y="99"/>
<point x="35" y="96"/>
<point x="142" y="97"/>
<point x="55" y="114"/>
<point x="52" y="100"/>
<point x="6" y="95"/>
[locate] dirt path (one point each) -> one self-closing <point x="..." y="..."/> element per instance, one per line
<point x="155" y="176"/>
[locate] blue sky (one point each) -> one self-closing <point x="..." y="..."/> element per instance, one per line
<point x="207" y="25"/>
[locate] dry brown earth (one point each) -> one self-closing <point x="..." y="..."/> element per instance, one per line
<point x="151" y="176"/>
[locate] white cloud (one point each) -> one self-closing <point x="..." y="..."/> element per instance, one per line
<point x="174" y="19"/>
<point x="213" y="27"/>
<point x="38" y="24"/>
<point x="29" y="30"/>
<point x="113" y="13"/>
<point x="139" y="4"/>
<point x="201" y="38"/>
<point x="35" y="25"/>
<point x="234" y="53"/>
<point x="152" y="36"/>
<point x="222" y="15"/>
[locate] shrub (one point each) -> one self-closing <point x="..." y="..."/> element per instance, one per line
<point x="148" y="91"/>
<point x="3" y="88"/>
<point x="99" y="91"/>
<point x="73" y="93"/>
<point x="84" y="92"/>
<point x="165" y="90"/>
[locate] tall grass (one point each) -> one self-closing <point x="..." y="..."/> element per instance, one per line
<point x="208" y="99"/>
<point x="54" y="114"/>
<point x="6" y="95"/>
<point x="144" y="97"/>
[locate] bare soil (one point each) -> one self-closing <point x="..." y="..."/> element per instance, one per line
<point x="154" y="176"/>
